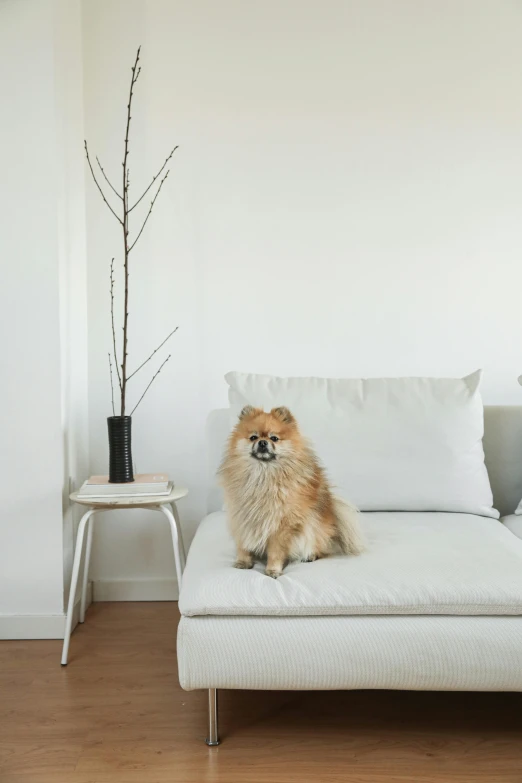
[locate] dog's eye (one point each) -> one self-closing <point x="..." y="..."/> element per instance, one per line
<point x="253" y="437"/>
<point x="274" y="438"/>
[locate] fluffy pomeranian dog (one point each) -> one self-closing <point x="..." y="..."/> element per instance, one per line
<point x="279" y="503"/>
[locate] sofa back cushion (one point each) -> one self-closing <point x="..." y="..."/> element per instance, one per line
<point x="388" y="444"/>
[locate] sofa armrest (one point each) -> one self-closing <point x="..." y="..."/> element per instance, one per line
<point x="514" y="523"/>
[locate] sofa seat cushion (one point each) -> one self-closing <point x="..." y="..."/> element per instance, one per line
<point x="416" y="563"/>
<point x="513" y="522"/>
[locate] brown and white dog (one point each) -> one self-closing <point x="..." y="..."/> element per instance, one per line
<point x="279" y="503"/>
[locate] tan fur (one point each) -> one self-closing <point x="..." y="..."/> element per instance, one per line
<point x="280" y="506"/>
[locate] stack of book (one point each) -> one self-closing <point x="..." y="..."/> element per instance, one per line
<point x="143" y="484"/>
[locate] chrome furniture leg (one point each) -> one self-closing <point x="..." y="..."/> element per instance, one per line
<point x="213" y="736"/>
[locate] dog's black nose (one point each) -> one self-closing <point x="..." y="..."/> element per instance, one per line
<point x="262" y="445"/>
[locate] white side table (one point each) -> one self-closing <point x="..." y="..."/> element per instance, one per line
<point x="164" y="503"/>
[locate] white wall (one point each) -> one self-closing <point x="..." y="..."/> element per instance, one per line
<point x="346" y="200"/>
<point x="72" y="262"/>
<point x="31" y="554"/>
<point x="43" y="391"/>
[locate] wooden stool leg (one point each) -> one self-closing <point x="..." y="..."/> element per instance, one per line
<point x="87" y="560"/>
<point x="175" y="540"/>
<point x="74" y="582"/>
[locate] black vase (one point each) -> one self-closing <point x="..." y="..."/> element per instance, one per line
<point x="120" y="449"/>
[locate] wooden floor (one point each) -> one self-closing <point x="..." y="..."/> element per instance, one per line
<point x="117" y="714"/>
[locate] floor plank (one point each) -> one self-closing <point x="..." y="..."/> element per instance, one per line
<point x="116" y="714"/>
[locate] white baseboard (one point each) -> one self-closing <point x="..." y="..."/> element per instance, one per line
<point x="39" y="626"/>
<point x="52" y="626"/>
<point x="135" y="590"/>
<point x="32" y="626"/>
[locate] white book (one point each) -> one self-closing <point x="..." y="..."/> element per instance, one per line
<point x="139" y="478"/>
<point x="143" y="484"/>
<point x="121" y="489"/>
<point x="120" y="494"/>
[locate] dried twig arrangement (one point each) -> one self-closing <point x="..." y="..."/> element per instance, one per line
<point x="122" y="374"/>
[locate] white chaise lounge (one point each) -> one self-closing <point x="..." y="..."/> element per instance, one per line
<point x="434" y="604"/>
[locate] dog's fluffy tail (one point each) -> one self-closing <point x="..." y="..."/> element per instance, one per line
<point x="350" y="535"/>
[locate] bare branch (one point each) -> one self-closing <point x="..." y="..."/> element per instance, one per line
<point x="150" y="210"/>
<point x="112" y="322"/>
<point x="154" y="178"/>
<point x="98" y="184"/>
<point x="153" y="352"/>
<point x="125" y="224"/>
<point x="107" y="179"/>
<point x="112" y="385"/>
<point x="150" y="384"/>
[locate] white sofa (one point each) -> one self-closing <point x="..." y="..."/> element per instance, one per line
<point x="435" y="603"/>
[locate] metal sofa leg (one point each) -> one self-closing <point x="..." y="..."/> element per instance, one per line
<point x="213" y="736"/>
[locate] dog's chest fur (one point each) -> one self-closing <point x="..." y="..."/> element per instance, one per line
<point x="259" y="497"/>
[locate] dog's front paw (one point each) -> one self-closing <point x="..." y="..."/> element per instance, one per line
<point x="310" y="559"/>
<point x="244" y="564"/>
<point x="273" y="573"/>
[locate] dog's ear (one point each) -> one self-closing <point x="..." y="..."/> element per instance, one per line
<point x="283" y="414"/>
<point x="248" y="410"/>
